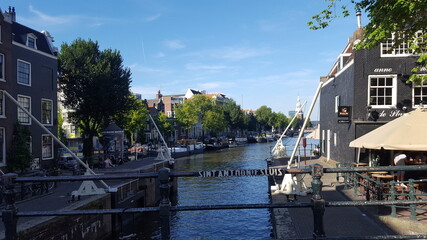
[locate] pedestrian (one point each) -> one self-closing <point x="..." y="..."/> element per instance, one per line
<point x="400" y="160"/>
<point x="108" y="163"/>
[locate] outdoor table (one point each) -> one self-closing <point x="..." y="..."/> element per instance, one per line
<point x="379" y="172"/>
<point x="360" y="164"/>
<point x="383" y="177"/>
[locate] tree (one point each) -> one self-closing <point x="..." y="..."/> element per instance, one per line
<point x="280" y="121"/>
<point x="61" y="133"/>
<point x="193" y="111"/>
<point x="95" y="84"/>
<point x="214" y="120"/>
<point x="233" y="115"/>
<point x="263" y="116"/>
<point x="164" y="124"/>
<point x="405" y="19"/>
<point x="20" y="153"/>
<point x="135" y="120"/>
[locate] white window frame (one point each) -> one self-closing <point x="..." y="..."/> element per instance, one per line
<point x="50" y="123"/>
<point x="337" y="103"/>
<point x="2" y="105"/>
<point x="423" y="96"/>
<point x="22" y="112"/>
<point x="17" y="73"/>
<point x="402" y="50"/>
<point x="2" y="63"/>
<point x="31" y="36"/>
<point x="3" y="146"/>
<point x="393" y="93"/>
<point x="51" y="147"/>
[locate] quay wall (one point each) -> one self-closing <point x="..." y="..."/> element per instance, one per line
<point x="73" y="227"/>
<point x="134" y="193"/>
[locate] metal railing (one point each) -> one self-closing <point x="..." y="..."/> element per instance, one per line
<point x="10" y="213"/>
<point x="372" y="189"/>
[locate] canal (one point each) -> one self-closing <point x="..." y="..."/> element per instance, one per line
<point x="219" y="224"/>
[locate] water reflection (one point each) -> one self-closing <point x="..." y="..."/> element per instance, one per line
<point x="224" y="224"/>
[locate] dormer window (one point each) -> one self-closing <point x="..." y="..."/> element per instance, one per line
<point x="31" y="41"/>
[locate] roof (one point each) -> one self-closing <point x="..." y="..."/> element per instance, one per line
<point x="20" y="33"/>
<point x="112" y="128"/>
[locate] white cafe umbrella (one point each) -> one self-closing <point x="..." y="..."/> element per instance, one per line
<point x="407" y="132"/>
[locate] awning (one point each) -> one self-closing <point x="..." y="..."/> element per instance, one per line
<point x="408" y="132"/>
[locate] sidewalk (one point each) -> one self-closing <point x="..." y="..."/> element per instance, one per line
<point x="60" y="197"/>
<point x="338" y="221"/>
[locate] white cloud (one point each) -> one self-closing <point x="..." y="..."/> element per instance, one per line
<point x="147" y="92"/>
<point x="50" y="20"/>
<point x="174" y="44"/>
<point x="205" y="67"/>
<point x="153" y="18"/>
<point x="215" y="85"/>
<point x="232" y="53"/>
<point x="139" y="68"/>
<point x="159" y="55"/>
<point x="42" y="20"/>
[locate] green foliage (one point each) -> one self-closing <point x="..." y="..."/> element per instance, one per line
<point x="135" y="119"/>
<point x="61" y="132"/>
<point x="193" y="110"/>
<point x="264" y="115"/>
<point x="214" y="120"/>
<point x="164" y="124"/>
<point x="95" y="84"/>
<point x="20" y="157"/>
<point x="233" y="115"/>
<point x="386" y="17"/>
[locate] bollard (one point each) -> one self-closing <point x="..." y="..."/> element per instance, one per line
<point x="9" y="212"/>
<point x="317" y="200"/>
<point x="165" y="204"/>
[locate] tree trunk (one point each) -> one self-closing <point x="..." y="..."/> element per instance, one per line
<point x="88" y="145"/>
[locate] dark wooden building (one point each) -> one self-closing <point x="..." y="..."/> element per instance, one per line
<point x="28" y="72"/>
<point x="364" y="90"/>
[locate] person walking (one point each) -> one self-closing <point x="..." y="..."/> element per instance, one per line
<point x="400" y="160"/>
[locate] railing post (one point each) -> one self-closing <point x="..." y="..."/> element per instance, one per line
<point x="393" y="197"/>
<point x="9" y="213"/>
<point x="165" y="204"/>
<point x="412" y="197"/>
<point x="317" y="200"/>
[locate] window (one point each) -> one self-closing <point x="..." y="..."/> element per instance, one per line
<point x="403" y="48"/>
<point x="24" y="72"/>
<point x="382" y="91"/>
<point x="337" y="103"/>
<point x="2" y="77"/>
<point x="31" y="41"/>
<point x="419" y="93"/>
<point x="47" y="147"/>
<point x="2" y="147"/>
<point x="47" y="111"/>
<point x="30" y="143"/>
<point x="25" y="102"/>
<point x="2" y="100"/>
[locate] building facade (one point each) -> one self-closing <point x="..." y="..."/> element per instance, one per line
<point x="28" y="72"/>
<point x="364" y="90"/>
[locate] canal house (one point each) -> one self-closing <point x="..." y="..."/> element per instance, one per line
<point x="366" y="89"/>
<point x="28" y="72"/>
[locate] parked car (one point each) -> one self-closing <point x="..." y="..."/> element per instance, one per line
<point x="67" y="162"/>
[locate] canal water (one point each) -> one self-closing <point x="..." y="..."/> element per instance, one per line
<point x="220" y="224"/>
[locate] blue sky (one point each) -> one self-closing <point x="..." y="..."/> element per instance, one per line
<point x="256" y="52"/>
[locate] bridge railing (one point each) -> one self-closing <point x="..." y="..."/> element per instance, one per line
<point x="10" y="213"/>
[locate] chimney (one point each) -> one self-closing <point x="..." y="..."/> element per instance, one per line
<point x="10" y="15"/>
<point x="359" y="19"/>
